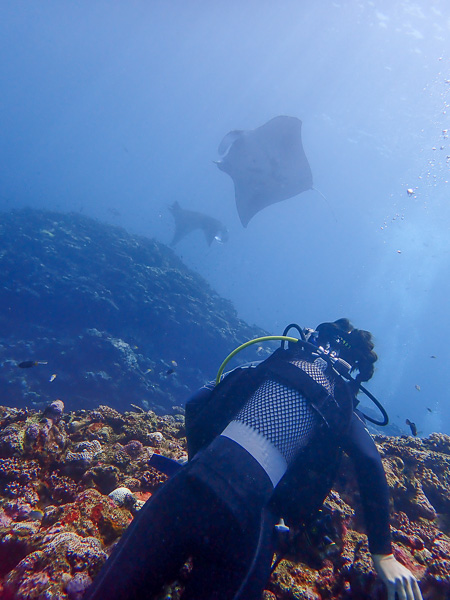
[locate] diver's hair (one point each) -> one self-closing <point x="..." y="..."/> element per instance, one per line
<point x="361" y="354"/>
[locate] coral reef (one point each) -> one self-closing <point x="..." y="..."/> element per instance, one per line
<point x="109" y="317"/>
<point x="70" y="483"/>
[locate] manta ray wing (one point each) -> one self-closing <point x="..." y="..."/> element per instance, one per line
<point x="184" y="223"/>
<point x="267" y="165"/>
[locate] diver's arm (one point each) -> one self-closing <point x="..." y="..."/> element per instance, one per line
<point x="373" y="487"/>
<point x="375" y="499"/>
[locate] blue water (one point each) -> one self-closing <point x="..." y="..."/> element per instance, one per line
<point x="116" y="109"/>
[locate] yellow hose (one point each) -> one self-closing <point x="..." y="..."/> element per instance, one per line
<point x="266" y="338"/>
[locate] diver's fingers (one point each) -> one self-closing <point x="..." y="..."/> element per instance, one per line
<point x="400" y="586"/>
<point x="416" y="590"/>
<point x="407" y="588"/>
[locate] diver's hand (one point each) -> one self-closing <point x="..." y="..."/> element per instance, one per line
<point x="397" y="578"/>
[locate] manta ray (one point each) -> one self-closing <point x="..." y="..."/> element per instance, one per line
<point x="187" y="221"/>
<point x="267" y="164"/>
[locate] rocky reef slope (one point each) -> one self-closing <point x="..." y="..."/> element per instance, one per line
<point x="63" y="506"/>
<point x="113" y="318"/>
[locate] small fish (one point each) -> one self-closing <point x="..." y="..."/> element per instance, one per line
<point x="171" y="369"/>
<point x="432" y="356"/>
<point x="429" y="409"/>
<point x="27" y="364"/>
<point x="417" y="387"/>
<point x="412" y="426"/>
<point x="35" y="515"/>
<point x="53" y="377"/>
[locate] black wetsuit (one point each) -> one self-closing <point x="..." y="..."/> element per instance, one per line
<point x="217" y="510"/>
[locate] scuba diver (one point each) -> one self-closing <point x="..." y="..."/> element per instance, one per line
<point x="264" y="443"/>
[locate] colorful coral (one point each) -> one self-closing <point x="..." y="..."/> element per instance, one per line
<point x="71" y="484"/>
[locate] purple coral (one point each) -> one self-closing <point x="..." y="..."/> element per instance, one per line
<point x="84" y="454"/>
<point x="78" y="585"/>
<point x="10" y="444"/>
<point x="134" y="448"/>
<point x="62" y="489"/>
<point x="80" y="552"/>
<point x="54" y="411"/>
<point x="17" y="477"/>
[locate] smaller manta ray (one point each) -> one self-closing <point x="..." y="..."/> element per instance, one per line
<point x="187" y="221"/>
<point x="267" y="165"/>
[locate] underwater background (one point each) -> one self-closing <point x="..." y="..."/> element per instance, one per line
<point x="115" y="110"/>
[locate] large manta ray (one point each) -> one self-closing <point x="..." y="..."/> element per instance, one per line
<point x="190" y="220"/>
<point x="267" y="164"/>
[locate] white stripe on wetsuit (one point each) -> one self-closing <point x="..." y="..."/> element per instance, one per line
<point x="271" y="459"/>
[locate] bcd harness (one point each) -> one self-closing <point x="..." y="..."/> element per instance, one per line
<point x="205" y="422"/>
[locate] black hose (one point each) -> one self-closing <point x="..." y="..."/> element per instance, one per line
<point x="294" y="326"/>
<point x="342" y="373"/>
<point x="259" y="571"/>
<point x="380" y="407"/>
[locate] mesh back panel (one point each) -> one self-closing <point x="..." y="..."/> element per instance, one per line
<point x="282" y="414"/>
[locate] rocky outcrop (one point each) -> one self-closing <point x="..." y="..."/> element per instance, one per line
<point x="111" y="317"/>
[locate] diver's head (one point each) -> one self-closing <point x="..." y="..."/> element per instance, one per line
<point x="355" y="346"/>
